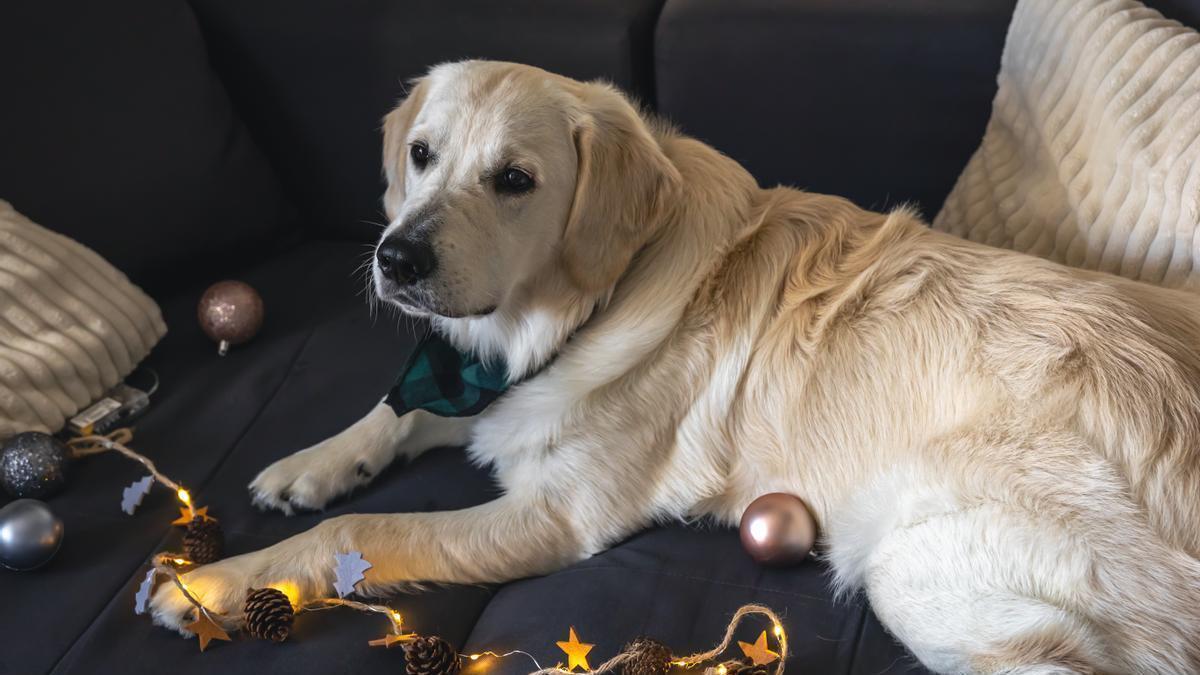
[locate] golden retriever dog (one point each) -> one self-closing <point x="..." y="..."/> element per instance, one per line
<point x="1002" y="453"/>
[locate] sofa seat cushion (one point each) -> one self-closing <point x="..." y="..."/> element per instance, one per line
<point x="320" y="362"/>
<point x="680" y="584"/>
<point x="213" y="423"/>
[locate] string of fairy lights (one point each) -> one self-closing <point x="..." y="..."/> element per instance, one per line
<point x="268" y="613"/>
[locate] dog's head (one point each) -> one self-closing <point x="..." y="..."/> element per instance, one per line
<point x="501" y="174"/>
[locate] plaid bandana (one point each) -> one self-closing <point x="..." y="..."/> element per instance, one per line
<point x="446" y="382"/>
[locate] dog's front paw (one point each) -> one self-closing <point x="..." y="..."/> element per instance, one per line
<point x="310" y="479"/>
<point x="221" y="587"/>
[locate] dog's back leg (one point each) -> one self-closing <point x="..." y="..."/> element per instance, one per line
<point x="946" y="588"/>
<point x="1042" y="564"/>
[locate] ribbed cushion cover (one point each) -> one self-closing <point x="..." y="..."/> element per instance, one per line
<point x="71" y="326"/>
<point x="1092" y="154"/>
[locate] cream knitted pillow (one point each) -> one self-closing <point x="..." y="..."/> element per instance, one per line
<point x="71" y="326"/>
<point x="1092" y="155"/>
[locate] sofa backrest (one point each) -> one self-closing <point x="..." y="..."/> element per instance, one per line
<point x="115" y="131"/>
<point x="171" y="136"/>
<point x="876" y="100"/>
<point x="881" y="101"/>
<point x="314" y="78"/>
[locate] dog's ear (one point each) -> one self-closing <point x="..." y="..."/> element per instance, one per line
<point x="623" y="184"/>
<point x="395" y="147"/>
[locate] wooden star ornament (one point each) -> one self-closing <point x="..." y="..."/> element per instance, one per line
<point x="576" y="651"/>
<point x="206" y="630"/>
<point x="758" y="653"/>
<point x="187" y="513"/>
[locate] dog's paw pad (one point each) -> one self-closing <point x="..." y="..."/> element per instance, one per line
<point x="363" y="471"/>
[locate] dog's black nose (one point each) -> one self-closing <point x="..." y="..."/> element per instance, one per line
<point x="405" y="261"/>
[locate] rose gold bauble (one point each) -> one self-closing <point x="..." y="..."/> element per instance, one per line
<point x="230" y="312"/>
<point x="777" y="529"/>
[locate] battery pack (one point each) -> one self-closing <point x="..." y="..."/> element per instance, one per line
<point x="117" y="408"/>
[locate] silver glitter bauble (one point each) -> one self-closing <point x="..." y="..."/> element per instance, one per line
<point x="30" y="535"/>
<point x="33" y="464"/>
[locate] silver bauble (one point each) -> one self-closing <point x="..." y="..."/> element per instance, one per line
<point x="30" y="534"/>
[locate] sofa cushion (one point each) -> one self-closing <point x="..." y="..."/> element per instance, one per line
<point x="319" y="363"/>
<point x="315" y="78"/>
<point x="212" y="424"/>
<point x="879" y="101"/>
<point x="114" y="131"/>
<point x="1092" y="155"/>
<point x="680" y="585"/>
<point x="71" y="326"/>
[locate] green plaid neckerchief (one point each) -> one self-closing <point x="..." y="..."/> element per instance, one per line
<point x="446" y="382"/>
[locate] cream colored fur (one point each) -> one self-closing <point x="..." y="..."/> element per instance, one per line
<point x="1000" y="451"/>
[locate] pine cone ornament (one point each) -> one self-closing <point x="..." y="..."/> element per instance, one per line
<point x="268" y="614"/>
<point x="649" y="657"/>
<point x="431" y="656"/>
<point x="203" y="542"/>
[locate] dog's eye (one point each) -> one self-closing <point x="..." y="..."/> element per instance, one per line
<point x="513" y="181"/>
<point x="420" y="154"/>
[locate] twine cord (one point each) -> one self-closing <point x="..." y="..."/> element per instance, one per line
<point x="162" y="565"/>
<point x="330" y="603"/>
<point x="699" y="657"/>
<point x="165" y="564"/>
<point x="746" y="610"/>
<point x="605" y="667"/>
<point x="85" y="446"/>
<point x="537" y="666"/>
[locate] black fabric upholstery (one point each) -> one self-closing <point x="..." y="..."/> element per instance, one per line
<point x="314" y="79"/>
<point x="114" y="131"/>
<point x="1186" y="12"/>
<point x="212" y="417"/>
<point x="881" y="102"/>
<point x="320" y="362"/>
